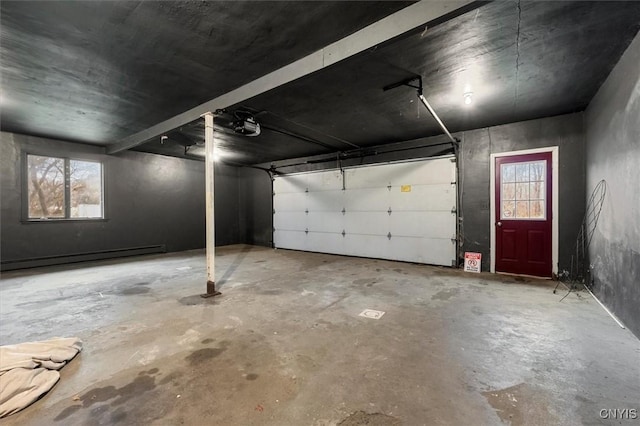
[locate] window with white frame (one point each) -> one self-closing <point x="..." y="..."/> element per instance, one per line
<point x="523" y="194"/>
<point x="63" y="188"/>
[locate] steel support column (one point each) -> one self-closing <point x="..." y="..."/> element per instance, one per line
<point x="210" y="205"/>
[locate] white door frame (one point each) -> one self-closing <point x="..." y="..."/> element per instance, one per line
<point x="554" y="202"/>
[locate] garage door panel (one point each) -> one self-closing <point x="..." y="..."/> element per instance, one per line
<point x="366" y="246"/>
<point x="326" y="222"/>
<point x="367" y="177"/>
<point x="296" y="240"/>
<point x="355" y="180"/>
<point x="423" y="224"/>
<point x="423" y="197"/>
<point x="371" y="199"/>
<point x="371" y="223"/>
<point x="326" y="242"/>
<point x="290" y="201"/>
<point x="290" y="221"/>
<point x="423" y="250"/>
<point x="370" y="177"/>
<point x="324" y="181"/>
<point x="413" y="173"/>
<point x="436" y="171"/>
<point x="325" y="200"/>
<point x="421" y="172"/>
<point x="291" y="183"/>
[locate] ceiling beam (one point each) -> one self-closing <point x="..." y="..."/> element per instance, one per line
<point x="394" y="25"/>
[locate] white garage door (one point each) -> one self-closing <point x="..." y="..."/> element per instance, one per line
<point x="397" y="211"/>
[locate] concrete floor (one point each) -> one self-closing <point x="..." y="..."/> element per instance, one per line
<point x="284" y="345"/>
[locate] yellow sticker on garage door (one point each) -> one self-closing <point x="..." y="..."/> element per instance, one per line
<point x="405" y="188"/>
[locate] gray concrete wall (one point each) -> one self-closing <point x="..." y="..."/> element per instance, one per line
<point x="255" y="206"/>
<point x="566" y="132"/>
<point x="613" y="154"/>
<point x="149" y="200"/>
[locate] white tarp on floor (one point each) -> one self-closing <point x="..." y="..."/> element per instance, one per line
<point x="398" y="211"/>
<point x="28" y="370"/>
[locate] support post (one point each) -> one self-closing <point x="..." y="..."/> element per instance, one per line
<point x="210" y="205"/>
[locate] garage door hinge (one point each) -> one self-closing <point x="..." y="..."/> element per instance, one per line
<point x="306" y="190"/>
<point x="274" y="211"/>
<point x="454" y="240"/>
<point x="389" y="187"/>
<point x="389" y="211"/>
<point x="306" y="211"/>
<point x="453" y="160"/>
<point x="343" y="233"/>
<point x="389" y="235"/>
<point x="453" y="210"/>
<point x="344" y="210"/>
<point x="306" y="230"/>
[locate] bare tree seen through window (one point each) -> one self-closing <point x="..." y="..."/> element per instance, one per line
<point x="46" y="187"/>
<point x="49" y="176"/>
<point x="523" y="190"/>
<point x="86" y="188"/>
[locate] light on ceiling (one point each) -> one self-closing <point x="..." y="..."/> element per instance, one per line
<point x="468" y="94"/>
<point x="219" y="154"/>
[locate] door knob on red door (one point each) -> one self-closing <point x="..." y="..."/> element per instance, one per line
<point x="499" y="223"/>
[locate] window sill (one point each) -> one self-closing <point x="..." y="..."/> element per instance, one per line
<point x="97" y="219"/>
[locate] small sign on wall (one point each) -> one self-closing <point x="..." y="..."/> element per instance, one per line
<point x="405" y="188"/>
<point x="472" y="261"/>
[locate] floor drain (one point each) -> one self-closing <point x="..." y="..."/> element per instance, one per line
<point x="370" y="313"/>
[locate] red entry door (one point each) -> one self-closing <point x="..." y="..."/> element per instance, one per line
<point x="523" y="214"/>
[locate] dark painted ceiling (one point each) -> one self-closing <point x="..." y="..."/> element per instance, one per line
<point x="97" y="71"/>
<point x="522" y="60"/>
